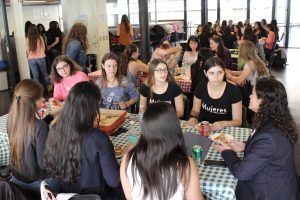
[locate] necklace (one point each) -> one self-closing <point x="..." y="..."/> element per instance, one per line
<point x="111" y="82"/>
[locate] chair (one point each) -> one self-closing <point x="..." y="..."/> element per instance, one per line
<point x="11" y="191"/>
<point x="187" y="108"/>
<point x="244" y="117"/>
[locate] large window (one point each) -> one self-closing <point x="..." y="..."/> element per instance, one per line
<point x="169" y="10"/>
<point x="115" y="10"/>
<point x="294" y="40"/>
<point x="193" y="16"/>
<point x="134" y="11"/>
<point x="236" y="8"/>
<point x="261" y="9"/>
<point x="212" y="11"/>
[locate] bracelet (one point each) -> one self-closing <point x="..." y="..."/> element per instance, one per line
<point x="191" y="116"/>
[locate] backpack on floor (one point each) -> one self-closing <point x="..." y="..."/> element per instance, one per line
<point x="280" y="59"/>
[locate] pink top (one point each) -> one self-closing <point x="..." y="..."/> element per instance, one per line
<point x="270" y="41"/>
<point x="39" y="52"/>
<point x="61" y="90"/>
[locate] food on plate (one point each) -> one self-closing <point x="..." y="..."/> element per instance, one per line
<point x="118" y="151"/>
<point x="222" y="137"/>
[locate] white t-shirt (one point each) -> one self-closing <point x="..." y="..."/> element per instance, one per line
<point x="253" y="76"/>
<point x="137" y="190"/>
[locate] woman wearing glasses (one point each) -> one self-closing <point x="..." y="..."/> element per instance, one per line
<point x="161" y="87"/>
<point x="65" y="74"/>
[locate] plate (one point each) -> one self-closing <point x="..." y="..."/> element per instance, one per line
<point x="119" y="151"/>
<point x="222" y="137"/>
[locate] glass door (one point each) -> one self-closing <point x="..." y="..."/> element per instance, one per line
<point x="294" y="39"/>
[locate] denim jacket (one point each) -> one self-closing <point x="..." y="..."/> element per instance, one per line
<point x="76" y="52"/>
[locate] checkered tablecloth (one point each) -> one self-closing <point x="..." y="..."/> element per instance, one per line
<point x="4" y="145"/>
<point x="185" y="85"/>
<point x="217" y="183"/>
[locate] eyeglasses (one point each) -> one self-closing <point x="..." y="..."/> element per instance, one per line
<point x="62" y="68"/>
<point x="160" y="71"/>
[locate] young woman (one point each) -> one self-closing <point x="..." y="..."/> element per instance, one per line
<point x="158" y="166"/>
<point x="88" y="165"/>
<point x="205" y="35"/>
<point x="259" y="30"/>
<point x="161" y="87"/>
<point x="191" y="54"/>
<point x="276" y="29"/>
<point x="217" y="46"/>
<point x="217" y="101"/>
<point x="217" y="31"/>
<point x="54" y="41"/>
<point x="228" y="38"/>
<point x="198" y="30"/>
<point x="116" y="90"/>
<point x="269" y="162"/>
<point x="250" y="36"/>
<point x="270" y="41"/>
<point x="131" y="66"/>
<point x="237" y="32"/>
<point x="170" y="55"/>
<point x="76" y="45"/>
<point x="65" y="74"/>
<point x="124" y="32"/>
<point x="35" y="50"/>
<point x="42" y="32"/>
<point x="27" y="137"/>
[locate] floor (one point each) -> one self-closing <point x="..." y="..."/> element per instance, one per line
<point x="290" y="76"/>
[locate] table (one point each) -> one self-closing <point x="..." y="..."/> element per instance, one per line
<point x="217" y="183"/>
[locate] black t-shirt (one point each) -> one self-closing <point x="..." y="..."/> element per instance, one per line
<point x="172" y="91"/>
<point x="214" y="110"/>
<point x="51" y="35"/>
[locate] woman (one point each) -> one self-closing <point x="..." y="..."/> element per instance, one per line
<point x="205" y="35"/>
<point x="124" y="32"/>
<point x="198" y="30"/>
<point x="191" y="54"/>
<point x="274" y="23"/>
<point x="131" y="66"/>
<point x="54" y="41"/>
<point x="42" y="32"/>
<point x="237" y="32"/>
<point x="65" y="74"/>
<point x="158" y="166"/>
<point x="216" y="101"/>
<point x="27" y="137"/>
<point x="88" y="165"/>
<point x="267" y="170"/>
<point x="35" y="50"/>
<point x="228" y="38"/>
<point x="76" y="45"/>
<point x="170" y="55"/>
<point x="116" y="90"/>
<point x="161" y="87"/>
<point x="250" y="36"/>
<point x="217" y="46"/>
<point x="259" y="31"/>
<point x="217" y="31"/>
<point x="270" y="41"/>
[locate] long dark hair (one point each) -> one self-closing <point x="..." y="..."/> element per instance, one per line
<point x="220" y="50"/>
<point x="160" y="155"/>
<point x="274" y="108"/>
<point x="125" y="21"/>
<point x="62" y="155"/>
<point x="126" y="57"/>
<point x="21" y="117"/>
<point x="194" y="39"/>
<point x="249" y="35"/>
<point x="212" y="62"/>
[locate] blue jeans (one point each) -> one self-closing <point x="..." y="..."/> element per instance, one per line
<point x="38" y="65"/>
<point x="35" y="186"/>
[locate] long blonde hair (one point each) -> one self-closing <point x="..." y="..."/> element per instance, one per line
<point x="21" y="118"/>
<point x="247" y="52"/>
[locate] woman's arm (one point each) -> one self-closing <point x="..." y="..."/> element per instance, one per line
<point x="125" y="183"/>
<point x="179" y="105"/>
<point x="195" y="110"/>
<point x="138" y="66"/>
<point x="236" y="118"/>
<point x="143" y="104"/>
<point x="133" y="95"/>
<point x="118" y="31"/>
<point x="56" y="41"/>
<point x="193" y="191"/>
<point x="131" y="30"/>
<point x="241" y="78"/>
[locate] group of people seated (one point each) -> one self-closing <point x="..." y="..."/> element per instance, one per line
<point x="74" y="157"/>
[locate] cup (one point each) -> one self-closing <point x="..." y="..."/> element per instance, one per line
<point x="132" y="136"/>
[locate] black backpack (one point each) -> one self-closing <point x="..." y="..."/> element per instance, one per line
<point x="280" y="59"/>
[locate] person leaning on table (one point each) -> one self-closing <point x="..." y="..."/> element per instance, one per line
<point x="267" y="170"/>
<point x="215" y="100"/>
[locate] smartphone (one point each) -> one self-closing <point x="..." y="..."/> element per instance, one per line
<point x="215" y="163"/>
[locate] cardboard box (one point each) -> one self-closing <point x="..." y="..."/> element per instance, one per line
<point x="111" y="120"/>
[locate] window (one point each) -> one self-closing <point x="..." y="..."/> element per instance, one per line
<point x="261" y="9"/>
<point x="294" y="40"/>
<point x="115" y="10"/>
<point x="236" y="8"/>
<point x="193" y="16"/>
<point x="212" y="11"/>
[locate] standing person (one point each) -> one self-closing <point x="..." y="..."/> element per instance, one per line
<point x="217" y="46"/>
<point x="131" y="66"/>
<point x="161" y="87"/>
<point x="27" y="24"/>
<point x="125" y="32"/>
<point x="116" y="90"/>
<point x="76" y="45"/>
<point x="35" y="49"/>
<point x="27" y="137"/>
<point x="216" y="101"/>
<point x="65" y="74"/>
<point x="88" y="165"/>
<point x="267" y="170"/>
<point x="54" y="41"/>
<point x="160" y="149"/>
<point x="42" y="32"/>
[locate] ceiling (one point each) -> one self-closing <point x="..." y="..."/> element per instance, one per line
<point x="36" y="2"/>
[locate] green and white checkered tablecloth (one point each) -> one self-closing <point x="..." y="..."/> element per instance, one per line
<point x="217" y="183"/>
<point x="4" y="150"/>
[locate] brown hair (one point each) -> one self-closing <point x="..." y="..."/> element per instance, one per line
<point x="247" y="52"/>
<point x="126" y="57"/>
<point x="119" y="76"/>
<point x="78" y="32"/>
<point x="33" y="37"/>
<point x="21" y="116"/>
<point x="74" y="67"/>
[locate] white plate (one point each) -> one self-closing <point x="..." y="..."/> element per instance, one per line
<point x="227" y="136"/>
